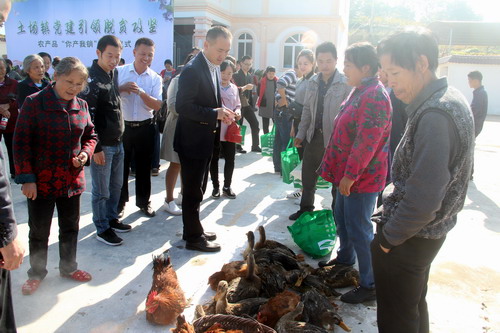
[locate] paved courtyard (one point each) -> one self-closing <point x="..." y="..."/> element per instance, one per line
<point x="464" y="289"/>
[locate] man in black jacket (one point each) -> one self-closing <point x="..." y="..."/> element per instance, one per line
<point x="11" y="250"/>
<point x="106" y="167"/>
<point x="199" y="105"/>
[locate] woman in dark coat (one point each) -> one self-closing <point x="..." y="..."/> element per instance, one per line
<point x="53" y="140"/>
<point x="8" y="109"/>
<point x="35" y="79"/>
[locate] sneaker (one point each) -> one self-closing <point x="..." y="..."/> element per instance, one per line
<point x="257" y="149"/>
<point x="359" y="295"/>
<point x="216" y="193"/>
<point x="109" y="237"/>
<point x="296" y="215"/>
<point x="332" y="262"/>
<point x="172" y="208"/>
<point x="117" y="226"/>
<point x="155" y="172"/>
<point x="239" y="149"/>
<point x="147" y="210"/>
<point x="227" y="192"/>
<point x="295" y="194"/>
<point x="178" y="201"/>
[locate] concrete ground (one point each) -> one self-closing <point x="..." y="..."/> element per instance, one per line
<point x="464" y="287"/>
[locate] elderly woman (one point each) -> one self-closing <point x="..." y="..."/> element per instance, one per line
<point x="35" y="79"/>
<point x="54" y="139"/>
<point x="8" y="109"/>
<point x="267" y="92"/>
<point x="430" y="173"/>
<point x="356" y="161"/>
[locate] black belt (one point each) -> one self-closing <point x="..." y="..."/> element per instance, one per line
<point x="139" y="123"/>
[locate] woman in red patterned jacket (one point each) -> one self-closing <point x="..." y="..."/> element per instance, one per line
<point x="8" y="109"/>
<point x="356" y="162"/>
<point x="53" y="140"/>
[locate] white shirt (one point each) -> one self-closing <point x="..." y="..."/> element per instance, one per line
<point x="133" y="108"/>
<point x="214" y="73"/>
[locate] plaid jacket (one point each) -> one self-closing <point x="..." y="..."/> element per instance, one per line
<point x="46" y="139"/>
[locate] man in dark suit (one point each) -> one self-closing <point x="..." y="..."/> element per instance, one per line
<point x="200" y="111"/>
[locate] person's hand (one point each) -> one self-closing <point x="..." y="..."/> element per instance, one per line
<point x="80" y="160"/>
<point x="282" y="102"/>
<point x="130" y="87"/>
<point x="248" y="86"/>
<point x="345" y="186"/>
<point x="297" y="142"/>
<point x="12" y="254"/>
<point x="292" y="132"/>
<point x="4" y="110"/>
<point x="384" y="249"/>
<point x="225" y="115"/>
<point x="237" y="116"/>
<point x="29" y="190"/>
<point x="99" y="158"/>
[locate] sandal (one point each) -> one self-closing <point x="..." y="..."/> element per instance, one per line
<point x="78" y="275"/>
<point x="30" y="286"/>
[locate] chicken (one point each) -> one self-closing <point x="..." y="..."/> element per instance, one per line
<point x="166" y="300"/>
<point x="228" y="272"/>
<point x="245" y="287"/>
<point x="276" y="307"/>
<point x="217" y="328"/>
<point x="248" y="306"/>
<point x="320" y="312"/>
<point x="288" y="324"/>
<point x="183" y="326"/>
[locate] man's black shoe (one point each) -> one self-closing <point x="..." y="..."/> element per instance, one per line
<point x="296" y="215"/>
<point x="148" y="211"/>
<point x="203" y="245"/>
<point x="332" y="262"/>
<point x="257" y="149"/>
<point x="109" y="237"/>
<point x="359" y="295"/>
<point x="227" y="192"/>
<point x="211" y="236"/>
<point x="216" y="193"/>
<point x="239" y="149"/>
<point x="117" y="226"/>
<point x="121" y="210"/>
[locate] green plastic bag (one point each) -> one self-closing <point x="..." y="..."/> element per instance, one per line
<point x="315" y="233"/>
<point x="297" y="179"/>
<point x="267" y="142"/>
<point x="243" y="130"/>
<point x="289" y="160"/>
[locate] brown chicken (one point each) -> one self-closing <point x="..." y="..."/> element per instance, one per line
<point x="249" y="306"/>
<point x="228" y="272"/>
<point x="276" y="307"/>
<point x="217" y="328"/>
<point x="166" y="300"/>
<point x="183" y="326"/>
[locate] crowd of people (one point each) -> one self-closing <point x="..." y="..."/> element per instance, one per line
<point x="388" y="107"/>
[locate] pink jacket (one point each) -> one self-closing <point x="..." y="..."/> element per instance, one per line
<point x="359" y="146"/>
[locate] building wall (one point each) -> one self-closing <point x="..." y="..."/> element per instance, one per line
<point x="457" y="77"/>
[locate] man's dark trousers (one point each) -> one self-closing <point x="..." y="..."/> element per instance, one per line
<point x="140" y="140"/>
<point x="401" y="284"/>
<point x="194" y="172"/>
<point x="313" y="155"/>
<point x="248" y="113"/>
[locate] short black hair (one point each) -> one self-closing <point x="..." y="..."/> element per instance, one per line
<point x="246" y="57"/>
<point x="407" y="46"/>
<point x="362" y="54"/>
<point x="271" y="69"/>
<point x="475" y="75"/>
<point x="44" y="54"/>
<point x="9" y="62"/>
<point x="225" y="64"/>
<point x="218" y="31"/>
<point x="168" y="61"/>
<point x="144" y="41"/>
<point x="122" y="61"/>
<point x="231" y="58"/>
<point x="327" y="47"/>
<point x="109" y="40"/>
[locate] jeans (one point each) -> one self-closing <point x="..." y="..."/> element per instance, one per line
<point x="107" y="181"/>
<point x="282" y="126"/>
<point x="313" y="155"/>
<point x="40" y="213"/>
<point x="401" y="277"/>
<point x="228" y="150"/>
<point x="355" y="231"/>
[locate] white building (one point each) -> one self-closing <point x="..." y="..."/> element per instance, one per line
<point x="457" y="67"/>
<point x="271" y="31"/>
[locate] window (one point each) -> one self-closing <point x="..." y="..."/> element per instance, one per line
<point x="293" y="46"/>
<point x="245" y="42"/>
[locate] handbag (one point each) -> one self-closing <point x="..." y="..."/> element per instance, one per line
<point x="243" y="130"/>
<point x="289" y="160"/>
<point x="295" y="109"/>
<point x="315" y="232"/>
<point x="160" y="116"/>
<point x="233" y="133"/>
<point x="267" y="142"/>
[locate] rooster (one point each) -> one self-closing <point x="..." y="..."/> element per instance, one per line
<point x="166" y="300"/>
